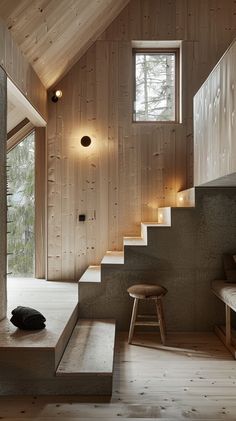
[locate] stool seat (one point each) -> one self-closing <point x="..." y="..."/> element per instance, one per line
<point x="145" y="291"/>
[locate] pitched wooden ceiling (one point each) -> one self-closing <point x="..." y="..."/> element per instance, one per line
<point x="54" y="34"/>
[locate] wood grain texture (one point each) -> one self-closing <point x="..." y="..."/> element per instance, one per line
<point x="90" y="349"/>
<point x="16" y="135"/>
<point x="215" y="123"/>
<point x="130" y="169"/>
<point x="186" y="198"/>
<point x="3" y="193"/>
<point x="40" y="202"/>
<point x="56" y="301"/>
<point x="14" y="116"/>
<point x="28" y="356"/>
<point x="21" y="72"/>
<point x="54" y="34"/>
<point x="192" y="378"/>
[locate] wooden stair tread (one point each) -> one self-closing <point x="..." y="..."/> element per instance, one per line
<point x="134" y="241"/>
<point x="186" y="198"/>
<point x="154" y="224"/>
<point x="90" y="349"/>
<point x="92" y="275"/>
<point x="113" y="258"/>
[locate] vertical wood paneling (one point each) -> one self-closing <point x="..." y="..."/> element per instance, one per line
<point x="53" y="35"/>
<point x="113" y="148"/>
<point x="21" y="72"/>
<point x="54" y="212"/>
<point x="131" y="168"/>
<point x="40" y="205"/>
<point x="3" y="193"/>
<point x="101" y="206"/>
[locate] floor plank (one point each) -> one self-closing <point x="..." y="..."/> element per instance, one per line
<point x="193" y="377"/>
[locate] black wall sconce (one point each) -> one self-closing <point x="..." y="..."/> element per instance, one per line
<point x="85" y="141"/>
<point x="56" y="95"/>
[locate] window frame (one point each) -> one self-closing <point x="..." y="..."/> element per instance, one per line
<point x="176" y="52"/>
<point x="16" y="136"/>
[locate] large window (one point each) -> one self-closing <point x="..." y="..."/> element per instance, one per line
<point x="21" y="211"/>
<point x="155" y="85"/>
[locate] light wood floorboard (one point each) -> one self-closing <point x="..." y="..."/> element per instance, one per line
<point x="193" y="377"/>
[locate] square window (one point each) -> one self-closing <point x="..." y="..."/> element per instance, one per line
<point x="155" y="85"/>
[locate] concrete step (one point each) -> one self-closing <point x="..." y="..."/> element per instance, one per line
<point x="28" y="359"/>
<point x="90" y="349"/>
<point x="57" y="301"/>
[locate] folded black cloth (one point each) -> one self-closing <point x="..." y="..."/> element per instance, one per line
<point x="27" y="318"/>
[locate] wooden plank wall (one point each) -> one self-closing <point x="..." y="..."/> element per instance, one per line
<point x="215" y="124"/>
<point x="21" y="72"/>
<point x="130" y="169"/>
<point x="40" y="202"/>
<point x="3" y="194"/>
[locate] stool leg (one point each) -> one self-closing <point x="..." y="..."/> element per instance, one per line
<point x="161" y="318"/>
<point x="133" y="319"/>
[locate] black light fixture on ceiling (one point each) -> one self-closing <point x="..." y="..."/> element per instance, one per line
<point x="85" y="141"/>
<point x="56" y="95"/>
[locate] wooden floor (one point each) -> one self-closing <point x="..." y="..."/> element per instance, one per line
<point x="194" y="377"/>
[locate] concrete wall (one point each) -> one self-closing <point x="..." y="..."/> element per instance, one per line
<point x="185" y="258"/>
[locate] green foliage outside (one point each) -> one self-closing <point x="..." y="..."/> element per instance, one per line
<point x="21" y="162"/>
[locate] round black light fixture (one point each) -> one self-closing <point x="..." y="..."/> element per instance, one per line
<point x="85" y="141"/>
<point x="56" y="95"/>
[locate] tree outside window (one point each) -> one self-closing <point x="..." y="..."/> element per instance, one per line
<point x="21" y="210"/>
<point x="155" y="86"/>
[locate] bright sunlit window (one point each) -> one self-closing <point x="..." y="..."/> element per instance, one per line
<point x="156" y="85"/>
<point x="21" y="202"/>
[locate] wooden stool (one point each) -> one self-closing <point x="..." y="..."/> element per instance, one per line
<point x="147" y="292"/>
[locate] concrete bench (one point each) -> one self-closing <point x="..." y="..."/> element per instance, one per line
<point x="226" y="292"/>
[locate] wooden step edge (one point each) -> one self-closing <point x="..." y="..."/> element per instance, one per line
<point x="164" y="216"/>
<point x="113" y="258"/>
<point x="154" y="225"/>
<point x="90" y="350"/>
<point x="134" y="241"/>
<point x="186" y="198"/>
<point x="91" y="275"/>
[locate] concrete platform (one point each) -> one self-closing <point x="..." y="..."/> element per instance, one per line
<point x="35" y="355"/>
<point x="29" y="359"/>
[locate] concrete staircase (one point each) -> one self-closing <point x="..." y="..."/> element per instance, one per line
<point x="74" y="355"/>
<point x="182" y="251"/>
<point x="101" y="296"/>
